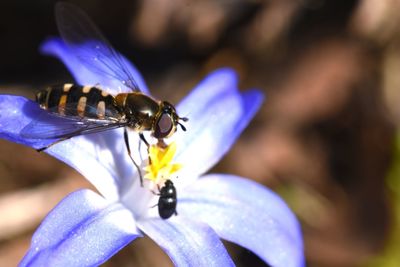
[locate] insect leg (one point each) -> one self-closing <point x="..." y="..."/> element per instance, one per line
<point x="51" y="144"/>
<point x="161" y="144"/>
<point x="140" y="149"/>
<point x="130" y="155"/>
<point x="144" y="140"/>
<point x="155" y="193"/>
<point x="147" y="144"/>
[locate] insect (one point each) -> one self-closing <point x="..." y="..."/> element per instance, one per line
<point x="89" y="109"/>
<point x="167" y="201"/>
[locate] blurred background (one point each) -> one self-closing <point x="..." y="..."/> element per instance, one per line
<point x="326" y="138"/>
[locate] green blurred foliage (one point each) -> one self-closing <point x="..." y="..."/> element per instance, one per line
<point x="390" y="256"/>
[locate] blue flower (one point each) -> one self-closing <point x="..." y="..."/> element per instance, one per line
<point x="87" y="228"/>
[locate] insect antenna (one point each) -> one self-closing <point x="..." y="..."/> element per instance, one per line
<point x="184" y="119"/>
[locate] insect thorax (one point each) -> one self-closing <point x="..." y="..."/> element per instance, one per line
<point x="139" y="109"/>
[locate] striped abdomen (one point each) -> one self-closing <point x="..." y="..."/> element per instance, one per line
<point x="75" y="100"/>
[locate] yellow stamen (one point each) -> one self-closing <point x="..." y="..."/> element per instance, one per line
<point x="161" y="167"/>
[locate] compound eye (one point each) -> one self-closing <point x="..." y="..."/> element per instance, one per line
<point x="164" y="126"/>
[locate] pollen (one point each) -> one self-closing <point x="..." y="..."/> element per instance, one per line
<point x="161" y="166"/>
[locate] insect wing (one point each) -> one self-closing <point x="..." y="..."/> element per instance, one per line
<point x="92" y="49"/>
<point x="51" y="125"/>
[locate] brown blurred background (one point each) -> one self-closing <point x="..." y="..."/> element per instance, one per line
<point x="325" y="139"/>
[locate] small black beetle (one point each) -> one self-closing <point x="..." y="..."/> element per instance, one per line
<point x="167" y="201"/>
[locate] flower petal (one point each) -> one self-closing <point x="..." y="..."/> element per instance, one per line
<point x="214" y="124"/>
<point x="84" y="76"/>
<point x="216" y="83"/>
<point x="246" y="213"/>
<point x="15" y="113"/>
<point x="186" y="242"/>
<point x="82" y="230"/>
<point x="101" y="158"/>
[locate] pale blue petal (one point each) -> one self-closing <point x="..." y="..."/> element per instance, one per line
<point x="246" y="213"/>
<point x="186" y="242"/>
<point x="82" y="230"/>
<point x="15" y="113"/>
<point x="101" y="158"/>
<point x="215" y="122"/>
<point x="83" y="76"/>
<point x="216" y="83"/>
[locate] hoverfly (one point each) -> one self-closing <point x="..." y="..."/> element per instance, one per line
<point x="89" y="109"/>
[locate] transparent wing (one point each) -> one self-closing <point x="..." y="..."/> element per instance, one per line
<point x="89" y="45"/>
<point x="51" y="125"/>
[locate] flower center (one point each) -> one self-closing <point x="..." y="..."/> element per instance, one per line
<point x="143" y="201"/>
<point x="161" y="167"/>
